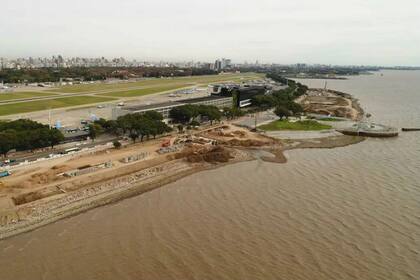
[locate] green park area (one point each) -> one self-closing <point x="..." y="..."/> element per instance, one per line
<point x="31" y="106"/>
<point x="24" y="94"/>
<point x="298" y="125"/>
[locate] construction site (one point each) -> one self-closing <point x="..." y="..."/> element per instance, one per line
<point x="50" y="189"/>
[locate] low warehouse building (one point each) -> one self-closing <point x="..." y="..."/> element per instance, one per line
<point x="165" y="107"/>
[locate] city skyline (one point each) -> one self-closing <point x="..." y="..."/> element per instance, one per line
<point x="322" y="32"/>
<point x="60" y="61"/>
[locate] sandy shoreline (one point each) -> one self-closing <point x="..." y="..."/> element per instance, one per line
<point x="129" y="186"/>
<point x="69" y="197"/>
<point x="134" y="184"/>
<point x="331" y="102"/>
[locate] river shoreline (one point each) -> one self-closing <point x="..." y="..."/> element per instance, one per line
<point x="70" y="208"/>
<point x="344" y="213"/>
<point x="52" y="211"/>
<point x="129" y="182"/>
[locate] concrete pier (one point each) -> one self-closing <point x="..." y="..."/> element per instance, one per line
<point x="370" y="130"/>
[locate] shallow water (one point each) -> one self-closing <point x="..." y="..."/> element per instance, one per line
<point x="345" y="213"/>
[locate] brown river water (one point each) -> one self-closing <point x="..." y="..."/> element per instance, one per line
<point x="345" y="213"/>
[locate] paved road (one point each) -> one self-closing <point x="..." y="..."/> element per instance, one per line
<point x="261" y="118"/>
<point x="60" y="149"/>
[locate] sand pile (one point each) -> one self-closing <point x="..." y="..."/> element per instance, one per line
<point x="42" y="177"/>
<point x="331" y="103"/>
<point x="246" y="143"/>
<point x="212" y="154"/>
<point x="238" y="133"/>
<point x="26" y="198"/>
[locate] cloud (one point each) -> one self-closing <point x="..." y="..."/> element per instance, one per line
<point x="326" y="31"/>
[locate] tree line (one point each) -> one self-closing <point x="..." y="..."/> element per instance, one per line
<point x="136" y="126"/>
<point x="188" y="113"/>
<point x="40" y="75"/>
<point x="25" y="134"/>
<point x="282" y="100"/>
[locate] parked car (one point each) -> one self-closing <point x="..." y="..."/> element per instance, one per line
<point x="4" y="174"/>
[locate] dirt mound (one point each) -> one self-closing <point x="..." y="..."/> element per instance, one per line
<point x="43" y="177"/>
<point x="331" y="103"/>
<point x="246" y="143"/>
<point x="238" y="133"/>
<point x="219" y="133"/>
<point x="60" y="168"/>
<point x="345" y="112"/>
<point x="26" y="198"/>
<point x="212" y="154"/>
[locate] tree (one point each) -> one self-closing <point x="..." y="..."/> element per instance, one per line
<point x="144" y="127"/>
<point x="94" y="131"/>
<point x="111" y="127"/>
<point x="162" y="128"/>
<point x="183" y="114"/>
<point x="8" y="141"/>
<point x="153" y="115"/>
<point x="117" y="144"/>
<point x="211" y="112"/>
<point x="125" y="123"/>
<point x="295" y="108"/>
<point x="194" y="123"/>
<point x="264" y="101"/>
<point x="231" y="113"/>
<point x="281" y="112"/>
<point x="140" y="125"/>
<point x="133" y="136"/>
<point x="55" y="137"/>
<point x="180" y="128"/>
<point x="30" y="135"/>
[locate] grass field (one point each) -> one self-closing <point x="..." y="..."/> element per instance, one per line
<point x="31" y="106"/>
<point x="144" y="91"/>
<point x="299" y="125"/>
<point x="155" y="82"/>
<point x="23" y="94"/>
<point x="118" y="90"/>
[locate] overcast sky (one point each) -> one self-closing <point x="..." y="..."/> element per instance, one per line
<point x="375" y="32"/>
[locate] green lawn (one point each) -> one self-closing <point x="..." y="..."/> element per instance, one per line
<point x="299" y="125"/>
<point x="156" y="82"/>
<point x="31" y="106"/>
<point x="144" y="91"/>
<point x="23" y="94"/>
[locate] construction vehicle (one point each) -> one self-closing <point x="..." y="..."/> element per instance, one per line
<point x="166" y="143"/>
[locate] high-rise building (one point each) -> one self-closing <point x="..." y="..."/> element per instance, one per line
<point x="226" y="63"/>
<point x="218" y="65"/>
<point x="222" y="64"/>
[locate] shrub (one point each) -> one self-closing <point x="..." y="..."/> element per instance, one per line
<point x="117" y="144"/>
